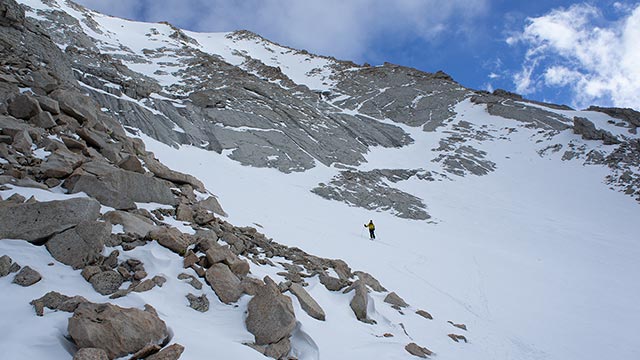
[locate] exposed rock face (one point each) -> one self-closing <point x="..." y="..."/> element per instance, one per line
<point x="36" y="221"/>
<point x="81" y="245"/>
<point x="519" y="111"/>
<point x="118" y="331"/>
<point x="270" y="315"/>
<point x="309" y="305"/>
<point x="24" y="106"/>
<point x="224" y="283"/>
<point x="27" y="277"/>
<point x="588" y="131"/>
<point x="119" y="188"/>
<point x="369" y="190"/>
<point x="629" y="115"/>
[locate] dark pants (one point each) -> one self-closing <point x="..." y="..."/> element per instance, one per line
<point x="372" y="234"/>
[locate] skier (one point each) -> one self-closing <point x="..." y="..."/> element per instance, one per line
<point x="372" y="229"/>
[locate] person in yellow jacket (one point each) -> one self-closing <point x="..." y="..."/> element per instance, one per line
<point x="372" y="229"/>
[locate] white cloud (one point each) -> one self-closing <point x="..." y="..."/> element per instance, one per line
<point x="577" y="48"/>
<point x="345" y="29"/>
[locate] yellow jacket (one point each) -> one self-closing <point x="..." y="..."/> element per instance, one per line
<point x="370" y="226"/>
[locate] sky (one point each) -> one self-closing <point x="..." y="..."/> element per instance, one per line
<point x="566" y="52"/>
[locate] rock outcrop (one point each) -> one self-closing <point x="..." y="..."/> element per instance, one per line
<point x="38" y="221"/>
<point x="309" y="305"/>
<point x="224" y="283"/>
<point x="270" y="317"/>
<point x="118" y="331"/>
<point x="360" y="301"/>
<point x="588" y="131"/>
<point x="81" y="245"/>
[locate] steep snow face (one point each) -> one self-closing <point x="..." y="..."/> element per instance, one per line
<point x="525" y="256"/>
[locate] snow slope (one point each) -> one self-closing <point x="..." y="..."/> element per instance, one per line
<point x="538" y="259"/>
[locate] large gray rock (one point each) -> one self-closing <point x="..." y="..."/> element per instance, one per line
<point x="131" y="223"/>
<point x="81" y="245"/>
<point x="218" y="253"/>
<point x="309" y="305"/>
<point x="48" y="104"/>
<point x="5" y="265"/>
<point x="119" y="188"/>
<point x="270" y="315"/>
<point x="106" y="282"/>
<point x="171" y="238"/>
<point x="60" y="164"/>
<point x="132" y="163"/>
<point x="22" y="142"/>
<point x="76" y="105"/>
<point x="90" y="354"/>
<point x="24" y="106"/>
<point x="118" y="331"/>
<point x="360" y="301"/>
<point x="36" y="221"/>
<point x="27" y="277"/>
<point x="224" y="283"/>
<point x="43" y="120"/>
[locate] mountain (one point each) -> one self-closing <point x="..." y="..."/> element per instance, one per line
<point x="145" y="164"/>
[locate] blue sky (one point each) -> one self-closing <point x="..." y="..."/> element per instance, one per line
<point x="568" y="52"/>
